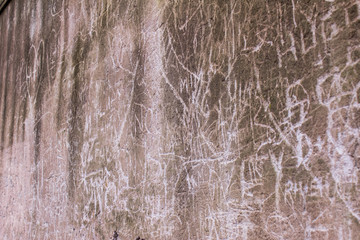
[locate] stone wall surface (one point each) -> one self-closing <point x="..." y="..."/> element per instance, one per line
<point x="179" y="119"/>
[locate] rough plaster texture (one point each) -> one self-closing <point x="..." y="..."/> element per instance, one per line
<point x="178" y="119"/>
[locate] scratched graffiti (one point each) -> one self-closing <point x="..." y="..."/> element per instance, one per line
<point x="180" y="119"/>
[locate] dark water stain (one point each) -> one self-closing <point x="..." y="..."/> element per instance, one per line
<point x="39" y="93"/>
<point x="38" y="111"/>
<point x="4" y="107"/>
<point x="138" y="103"/>
<point x="7" y="84"/>
<point x="102" y="28"/>
<point x="139" y="97"/>
<point x="46" y="63"/>
<point x="185" y="42"/>
<point x="60" y="111"/>
<point x="76" y="113"/>
<point x="14" y="99"/>
<point x="17" y="78"/>
<point x="27" y="65"/>
<point x="2" y="62"/>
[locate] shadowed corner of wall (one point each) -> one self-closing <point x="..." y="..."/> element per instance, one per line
<point x="3" y="4"/>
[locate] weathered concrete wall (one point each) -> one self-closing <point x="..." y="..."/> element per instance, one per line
<point x="180" y="119"/>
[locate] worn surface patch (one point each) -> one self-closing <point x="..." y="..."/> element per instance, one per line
<point x="180" y="119"/>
